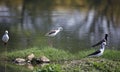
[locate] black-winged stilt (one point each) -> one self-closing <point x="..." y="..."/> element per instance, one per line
<point x="102" y="44"/>
<point x="53" y="33"/>
<point x="5" y="37"/>
<point x="98" y="52"/>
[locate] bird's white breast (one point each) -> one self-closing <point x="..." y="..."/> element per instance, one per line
<point x="5" y="38"/>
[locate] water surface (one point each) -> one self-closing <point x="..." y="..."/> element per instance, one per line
<point x="84" y="23"/>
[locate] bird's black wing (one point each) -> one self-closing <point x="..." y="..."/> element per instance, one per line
<point x="98" y="43"/>
<point x="51" y="32"/>
<point x="96" y="52"/>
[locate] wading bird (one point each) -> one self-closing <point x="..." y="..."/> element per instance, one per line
<point x="53" y="33"/>
<point x="5" y="37"/>
<point x="98" y="52"/>
<point x="102" y="44"/>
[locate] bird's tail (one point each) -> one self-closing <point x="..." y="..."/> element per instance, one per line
<point x="87" y="56"/>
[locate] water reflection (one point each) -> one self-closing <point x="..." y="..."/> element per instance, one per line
<point x="80" y="22"/>
<point x="85" y="22"/>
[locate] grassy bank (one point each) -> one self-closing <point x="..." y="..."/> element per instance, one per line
<point x="58" y="54"/>
<point x="78" y="62"/>
<point x="51" y="53"/>
<point x="92" y="65"/>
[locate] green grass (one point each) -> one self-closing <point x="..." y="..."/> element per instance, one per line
<point x="111" y="54"/>
<point x="49" y="68"/>
<point x="92" y="65"/>
<point x="51" y="53"/>
<point x="58" y="54"/>
<point x="78" y="62"/>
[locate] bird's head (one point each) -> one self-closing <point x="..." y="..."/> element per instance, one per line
<point x="6" y="32"/>
<point x="106" y="36"/>
<point x="60" y="28"/>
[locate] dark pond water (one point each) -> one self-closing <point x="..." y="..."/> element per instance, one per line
<point x="84" y="23"/>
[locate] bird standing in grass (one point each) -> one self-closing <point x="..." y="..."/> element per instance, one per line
<point x="5" y="37"/>
<point x="102" y="44"/>
<point x="98" y="52"/>
<point x="53" y="33"/>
